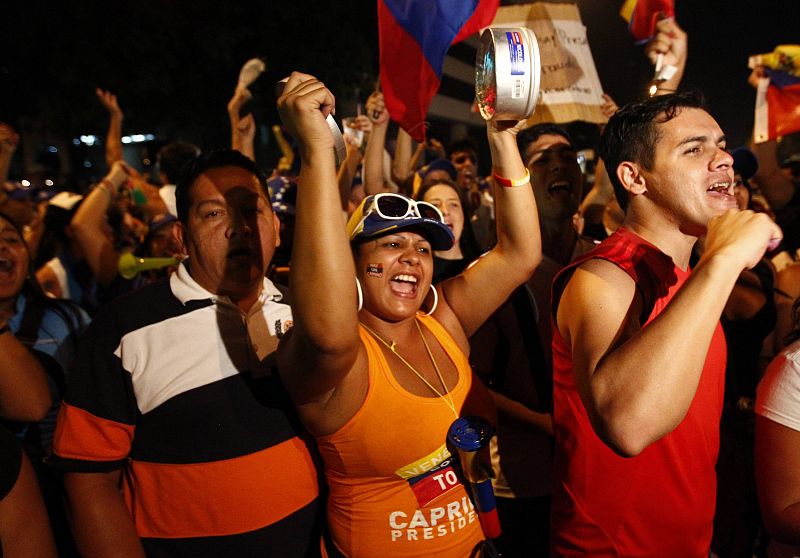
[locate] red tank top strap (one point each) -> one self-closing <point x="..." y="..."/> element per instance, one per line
<point x="648" y="266"/>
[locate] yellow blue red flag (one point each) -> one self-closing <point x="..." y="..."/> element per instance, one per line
<point x="642" y="16"/>
<point x="414" y="36"/>
<point x="778" y="100"/>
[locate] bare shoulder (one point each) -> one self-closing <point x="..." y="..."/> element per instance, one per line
<point x="597" y="297"/>
<point x="598" y="279"/>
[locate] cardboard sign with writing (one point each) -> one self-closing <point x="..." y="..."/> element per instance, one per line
<point x="570" y="88"/>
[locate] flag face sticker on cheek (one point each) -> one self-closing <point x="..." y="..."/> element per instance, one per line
<point x="375" y="270"/>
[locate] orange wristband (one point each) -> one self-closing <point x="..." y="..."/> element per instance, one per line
<point x="511" y="182"/>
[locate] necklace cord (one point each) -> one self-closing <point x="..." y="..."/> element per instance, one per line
<point x="446" y="396"/>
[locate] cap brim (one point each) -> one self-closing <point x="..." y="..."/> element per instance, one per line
<point x="437" y="233"/>
<point x="163" y="221"/>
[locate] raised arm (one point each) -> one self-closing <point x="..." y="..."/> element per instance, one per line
<point x="776" y="186"/>
<point x="89" y="221"/>
<point x="376" y="144"/>
<point x="403" y="162"/>
<point x="474" y="295"/>
<point x="243" y="128"/>
<point x="637" y="383"/>
<point x="594" y="203"/>
<point x="114" y="135"/>
<point x="347" y="170"/>
<point x="671" y="42"/>
<point x="321" y="348"/>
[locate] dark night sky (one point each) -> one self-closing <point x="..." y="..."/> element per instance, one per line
<point x="174" y="64"/>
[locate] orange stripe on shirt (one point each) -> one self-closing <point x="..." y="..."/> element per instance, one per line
<point x="220" y="497"/>
<point x="81" y="435"/>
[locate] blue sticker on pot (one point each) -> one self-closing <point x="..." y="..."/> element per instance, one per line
<point x="517" y="52"/>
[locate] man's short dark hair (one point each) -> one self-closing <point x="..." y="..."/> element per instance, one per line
<point x="208" y="161"/>
<point x="174" y="156"/>
<point x="631" y="134"/>
<point x="461" y="146"/>
<point x="527" y="137"/>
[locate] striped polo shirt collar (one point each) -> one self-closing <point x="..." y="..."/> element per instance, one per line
<point x="186" y="289"/>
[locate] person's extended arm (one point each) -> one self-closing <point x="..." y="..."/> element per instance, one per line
<point x="24" y="394"/>
<point x="670" y="41"/>
<point x="101" y="523"/>
<point x="348" y="168"/>
<point x="594" y="203"/>
<point x="24" y="525"/>
<point x="322" y="346"/>
<point x="637" y="383"/>
<point x="777" y="462"/>
<point x="35" y="231"/>
<point x="404" y="161"/>
<point x="483" y="287"/>
<point x="243" y="128"/>
<point x="89" y="221"/>
<point x="374" y="182"/>
<point x="347" y="171"/>
<point x="776" y="186"/>
<point x="114" y="135"/>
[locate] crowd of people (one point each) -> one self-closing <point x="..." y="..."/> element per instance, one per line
<point x="223" y="362"/>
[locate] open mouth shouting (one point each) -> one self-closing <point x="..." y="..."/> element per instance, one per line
<point x="6" y="268"/>
<point x="239" y="253"/>
<point x="404" y="285"/>
<point x="723" y="191"/>
<point x="721" y="187"/>
<point x="561" y="189"/>
<point x="559" y="185"/>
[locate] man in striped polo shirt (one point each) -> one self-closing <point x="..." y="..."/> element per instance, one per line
<point x="175" y="400"/>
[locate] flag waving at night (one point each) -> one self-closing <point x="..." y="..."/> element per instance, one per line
<point x="778" y="95"/>
<point x="642" y="16"/>
<point x="414" y="36"/>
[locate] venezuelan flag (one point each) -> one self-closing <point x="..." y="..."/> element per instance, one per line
<point x="642" y="16"/>
<point x="778" y="99"/>
<point x="414" y="36"/>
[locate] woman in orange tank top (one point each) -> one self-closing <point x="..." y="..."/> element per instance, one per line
<point x="377" y="359"/>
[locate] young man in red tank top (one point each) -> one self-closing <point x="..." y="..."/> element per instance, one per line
<point x="638" y="353"/>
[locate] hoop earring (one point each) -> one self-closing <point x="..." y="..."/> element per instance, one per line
<point x="360" y="295"/>
<point x="435" y="302"/>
